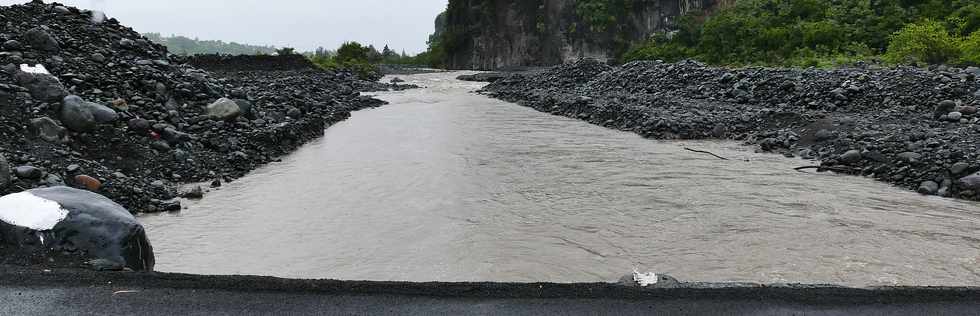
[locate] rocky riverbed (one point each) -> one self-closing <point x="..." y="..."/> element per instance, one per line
<point x="915" y="128"/>
<point x="88" y="102"/>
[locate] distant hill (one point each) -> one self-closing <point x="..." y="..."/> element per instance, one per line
<point x="181" y="45"/>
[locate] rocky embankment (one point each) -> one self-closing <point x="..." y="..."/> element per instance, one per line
<point x="89" y="103"/>
<point x="217" y="62"/>
<point x="915" y="128"/>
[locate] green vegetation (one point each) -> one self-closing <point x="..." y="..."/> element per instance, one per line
<point x="186" y="46"/>
<point x="823" y="33"/>
<point x="365" y="61"/>
<point x="927" y="41"/>
<point x="353" y="56"/>
<point x="601" y="15"/>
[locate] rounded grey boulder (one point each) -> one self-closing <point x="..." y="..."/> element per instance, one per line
<point x="851" y="156"/>
<point x="76" y="116"/>
<point x="28" y="172"/>
<point x="39" y="38"/>
<point x="971" y="182"/>
<point x="93" y="224"/>
<point x="103" y="114"/>
<point x="929" y="188"/>
<point x="224" y="109"/>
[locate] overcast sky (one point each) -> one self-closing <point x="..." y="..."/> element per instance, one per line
<point x="304" y="24"/>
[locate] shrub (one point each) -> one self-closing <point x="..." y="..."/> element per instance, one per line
<point x="970" y="48"/>
<point x="966" y="20"/>
<point x="927" y="41"/>
<point x="285" y="51"/>
<point x="352" y="52"/>
<point x="659" y="47"/>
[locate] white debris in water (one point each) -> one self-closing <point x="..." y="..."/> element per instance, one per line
<point x="28" y="210"/>
<point x="39" y="69"/>
<point x="645" y="279"/>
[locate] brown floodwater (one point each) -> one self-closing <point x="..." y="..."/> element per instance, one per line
<point x="447" y="185"/>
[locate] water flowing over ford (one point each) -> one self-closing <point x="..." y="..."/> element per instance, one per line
<point x="447" y="185"/>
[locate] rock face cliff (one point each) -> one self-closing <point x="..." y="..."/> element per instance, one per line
<point x="502" y="34"/>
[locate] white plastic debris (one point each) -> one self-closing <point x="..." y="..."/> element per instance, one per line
<point x="645" y="279"/>
<point x="39" y="69"/>
<point x="28" y="210"/>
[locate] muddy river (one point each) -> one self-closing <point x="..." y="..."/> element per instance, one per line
<point x="447" y="185"/>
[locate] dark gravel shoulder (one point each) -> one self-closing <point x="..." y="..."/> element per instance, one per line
<point x="915" y="128"/>
<point x="27" y="290"/>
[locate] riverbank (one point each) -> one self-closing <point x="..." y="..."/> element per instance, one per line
<point x="29" y="291"/>
<point x="911" y="127"/>
<point x="114" y="113"/>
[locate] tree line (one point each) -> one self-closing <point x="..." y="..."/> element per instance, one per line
<point x="823" y="33"/>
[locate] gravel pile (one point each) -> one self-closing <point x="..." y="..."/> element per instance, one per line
<point x="87" y="102"/>
<point x="915" y="128"/>
<point x="217" y="62"/>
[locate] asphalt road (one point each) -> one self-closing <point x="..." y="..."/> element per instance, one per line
<point x="70" y="292"/>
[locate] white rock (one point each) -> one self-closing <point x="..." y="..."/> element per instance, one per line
<point x="38" y="69"/>
<point x="28" y="210"/>
<point x="645" y="279"/>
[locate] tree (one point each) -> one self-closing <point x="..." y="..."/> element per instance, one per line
<point x="927" y="41"/>
<point x="352" y="52"/>
<point x="286" y="51"/>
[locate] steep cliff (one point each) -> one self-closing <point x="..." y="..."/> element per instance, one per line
<point x="501" y="34"/>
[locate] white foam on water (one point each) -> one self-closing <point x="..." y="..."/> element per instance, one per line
<point x="28" y="210"/>
<point x="39" y="69"/>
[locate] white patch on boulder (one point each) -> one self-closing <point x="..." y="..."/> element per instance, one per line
<point x="38" y="69"/>
<point x="28" y="210"/>
<point x="645" y="279"/>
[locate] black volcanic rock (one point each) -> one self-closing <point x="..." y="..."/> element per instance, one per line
<point x="138" y="115"/>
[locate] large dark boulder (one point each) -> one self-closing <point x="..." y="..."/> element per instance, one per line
<point x="43" y="86"/>
<point x="76" y="116"/>
<point x="4" y="172"/>
<point x="39" y="38"/>
<point x="61" y="219"/>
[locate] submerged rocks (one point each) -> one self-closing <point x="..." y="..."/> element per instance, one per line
<point x="483" y="77"/>
<point x="72" y="220"/>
